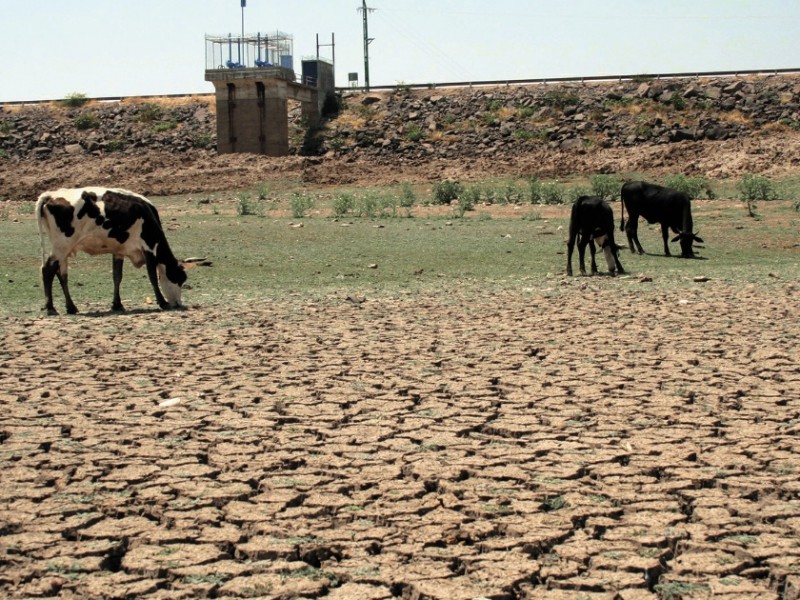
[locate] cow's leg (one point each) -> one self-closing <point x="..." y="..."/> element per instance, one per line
<point x="632" y="231"/>
<point x="152" y="274"/>
<point x="582" y="254"/>
<point x="665" y="236"/>
<point x="117" y="268"/>
<point x="61" y="273"/>
<point x="49" y="270"/>
<point x="592" y="253"/>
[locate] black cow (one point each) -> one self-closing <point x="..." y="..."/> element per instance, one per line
<point x="592" y="220"/>
<point x="658" y="204"/>
<point x="106" y="221"/>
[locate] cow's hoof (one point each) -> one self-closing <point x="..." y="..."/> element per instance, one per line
<point x="72" y="310"/>
<point x="51" y="311"/>
<point x="118" y="308"/>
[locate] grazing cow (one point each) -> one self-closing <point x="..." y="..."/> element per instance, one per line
<point x="658" y="204"/>
<point x="99" y="220"/>
<point x="592" y="220"/>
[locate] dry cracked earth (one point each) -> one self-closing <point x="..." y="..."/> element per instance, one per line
<point x="600" y="438"/>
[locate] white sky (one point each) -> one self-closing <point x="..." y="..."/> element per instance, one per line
<point x="51" y="48"/>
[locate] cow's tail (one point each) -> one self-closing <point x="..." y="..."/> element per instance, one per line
<point x="622" y="215"/>
<point x="44" y="226"/>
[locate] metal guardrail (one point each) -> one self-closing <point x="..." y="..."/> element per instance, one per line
<point x="467" y="84"/>
<point x="546" y="80"/>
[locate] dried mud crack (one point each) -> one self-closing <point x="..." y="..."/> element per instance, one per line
<point x="480" y="444"/>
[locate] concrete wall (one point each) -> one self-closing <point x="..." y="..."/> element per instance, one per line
<point x="252" y="109"/>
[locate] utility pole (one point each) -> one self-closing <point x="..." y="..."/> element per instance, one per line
<point x="364" y="10"/>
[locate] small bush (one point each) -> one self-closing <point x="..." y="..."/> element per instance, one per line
<point x="343" y="204"/>
<point x="86" y="121"/>
<point x="3" y="153"/>
<point x="116" y="145"/>
<point x="74" y="100"/>
<point x="677" y="101"/>
<point x="464" y="204"/>
<point x="553" y="193"/>
<point x="368" y="205"/>
<point x="560" y="98"/>
<point x="606" y="187"/>
<point x="246" y="206"/>
<point x="149" y="112"/>
<point x="753" y="188"/>
<point x="300" y="204"/>
<point x="693" y="187"/>
<point x="576" y="192"/>
<point x="407" y="196"/>
<point x="414" y="133"/>
<point x="165" y="126"/>
<point x="535" y="190"/>
<point x="445" y="192"/>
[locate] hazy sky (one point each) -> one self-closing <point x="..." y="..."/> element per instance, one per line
<point x="51" y="48"/>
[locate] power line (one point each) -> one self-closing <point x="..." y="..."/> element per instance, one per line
<point x="365" y="10"/>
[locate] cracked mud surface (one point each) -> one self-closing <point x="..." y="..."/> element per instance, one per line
<point x="597" y="439"/>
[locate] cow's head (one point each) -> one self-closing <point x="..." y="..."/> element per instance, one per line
<point x="687" y="240"/>
<point x="171" y="279"/>
<point x="609" y="248"/>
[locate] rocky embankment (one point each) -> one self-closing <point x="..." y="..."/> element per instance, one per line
<point x="574" y="117"/>
<point x="718" y="127"/>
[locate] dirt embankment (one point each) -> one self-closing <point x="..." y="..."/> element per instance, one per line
<point x="719" y="128"/>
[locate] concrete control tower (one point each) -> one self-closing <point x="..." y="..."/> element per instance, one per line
<point x="253" y="77"/>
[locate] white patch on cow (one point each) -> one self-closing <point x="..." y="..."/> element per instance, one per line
<point x="600" y="240"/>
<point x="171" y="291"/>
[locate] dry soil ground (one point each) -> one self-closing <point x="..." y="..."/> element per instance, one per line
<point x="600" y="438"/>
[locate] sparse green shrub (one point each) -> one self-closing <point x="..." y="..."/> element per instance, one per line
<point x="368" y="205"/>
<point x="343" y="204"/>
<point x="606" y="187"/>
<point x="553" y="193"/>
<point x="407" y="196"/>
<point x="677" y="101"/>
<point x="74" y="100"/>
<point x="301" y="203"/>
<point x="86" y="121"/>
<point x="203" y="140"/>
<point x="115" y="145"/>
<point x="387" y="204"/>
<point x="163" y="126"/>
<point x="560" y="98"/>
<point x="3" y="153"/>
<point x="149" y="112"/>
<point x="525" y="112"/>
<point x="464" y="204"/>
<point x="494" y="105"/>
<point x="535" y="190"/>
<point x="246" y="206"/>
<point x="511" y="194"/>
<point x="6" y="127"/>
<point x="445" y="192"/>
<point x="576" y="192"/>
<point x="693" y="187"/>
<point x="472" y="195"/>
<point x="753" y="188"/>
<point x="5" y="209"/>
<point x="414" y="133"/>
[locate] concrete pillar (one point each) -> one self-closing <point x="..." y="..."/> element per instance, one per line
<point x="252" y="109"/>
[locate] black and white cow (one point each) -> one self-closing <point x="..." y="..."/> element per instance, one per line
<point x="99" y="220"/>
<point x="658" y="204"/>
<point x="592" y="221"/>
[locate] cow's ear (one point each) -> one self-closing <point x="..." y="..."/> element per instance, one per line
<point x="676" y="238"/>
<point x="187" y="265"/>
<point x="697" y="238"/>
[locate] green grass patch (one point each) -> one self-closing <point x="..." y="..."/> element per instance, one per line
<point x="270" y="256"/>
